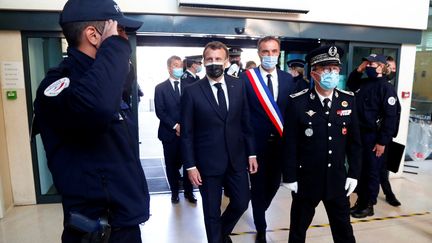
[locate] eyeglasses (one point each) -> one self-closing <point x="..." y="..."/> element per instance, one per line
<point x="328" y="69"/>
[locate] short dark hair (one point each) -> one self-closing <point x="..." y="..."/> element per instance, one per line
<point x="267" y="38"/>
<point x="172" y="59"/>
<point x="390" y="59"/>
<point x="73" y="31"/>
<point x="215" y="45"/>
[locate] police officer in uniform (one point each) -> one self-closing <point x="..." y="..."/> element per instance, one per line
<point x="296" y="69"/>
<point x="322" y="130"/>
<point x="235" y="67"/>
<point x="193" y="65"/>
<point x="88" y="136"/>
<point x="378" y="108"/>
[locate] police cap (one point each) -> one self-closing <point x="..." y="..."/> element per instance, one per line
<point x="375" y="58"/>
<point x="96" y="10"/>
<point x="235" y="51"/>
<point x="325" y="55"/>
<point x="194" y="59"/>
<point x="296" y="63"/>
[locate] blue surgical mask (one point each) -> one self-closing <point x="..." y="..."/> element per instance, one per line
<point x="177" y="72"/>
<point x="329" y="80"/>
<point x="199" y="69"/>
<point x="269" y="62"/>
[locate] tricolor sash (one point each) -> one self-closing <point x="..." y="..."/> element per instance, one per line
<point x="262" y="92"/>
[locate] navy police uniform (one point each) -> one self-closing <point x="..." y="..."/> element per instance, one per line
<point x="300" y="81"/>
<point x="379" y="113"/>
<point x="188" y="77"/>
<point x="315" y="151"/>
<point x="88" y="135"/>
<point x="234" y="52"/>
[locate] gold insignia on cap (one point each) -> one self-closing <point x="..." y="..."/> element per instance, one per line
<point x="310" y="113"/>
<point x="344" y="103"/>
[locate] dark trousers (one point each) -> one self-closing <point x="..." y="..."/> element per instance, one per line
<point x="384" y="180"/>
<point x="265" y="183"/>
<point x="118" y="235"/>
<point x="237" y="183"/>
<point x="173" y="164"/>
<point x="303" y="211"/>
<point x="370" y="173"/>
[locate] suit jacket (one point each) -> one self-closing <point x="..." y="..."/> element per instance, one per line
<point x="167" y="106"/>
<point x="261" y="123"/>
<point x="316" y="146"/>
<point x="209" y="141"/>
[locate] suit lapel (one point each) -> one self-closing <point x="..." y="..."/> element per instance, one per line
<point x="207" y="90"/>
<point x="336" y="105"/>
<point x="231" y="86"/>
<point x="316" y="105"/>
<point x="171" y="91"/>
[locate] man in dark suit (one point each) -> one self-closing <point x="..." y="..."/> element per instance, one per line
<point x="322" y="131"/>
<point x="216" y="142"/>
<point x="268" y="89"/>
<point x="167" y="105"/>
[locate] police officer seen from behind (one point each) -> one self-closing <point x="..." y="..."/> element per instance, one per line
<point x="167" y="106"/>
<point x="89" y="138"/>
<point x="235" y="67"/>
<point x="322" y="130"/>
<point x="378" y="107"/>
<point x="193" y="66"/>
<point x="296" y="69"/>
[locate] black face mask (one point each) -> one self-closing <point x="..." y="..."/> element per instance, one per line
<point x="371" y="72"/>
<point x="391" y="75"/>
<point x="214" y="71"/>
<point x="235" y="62"/>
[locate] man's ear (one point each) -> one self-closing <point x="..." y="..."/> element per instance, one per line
<point x="91" y="35"/>
<point x="316" y="76"/>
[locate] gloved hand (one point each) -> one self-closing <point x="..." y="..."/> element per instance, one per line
<point x="233" y="70"/>
<point x="292" y="186"/>
<point x="350" y="185"/>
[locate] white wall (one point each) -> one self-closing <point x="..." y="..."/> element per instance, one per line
<point x="405" y="83"/>
<point x="388" y="13"/>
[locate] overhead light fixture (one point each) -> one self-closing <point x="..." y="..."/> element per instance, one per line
<point x="281" y="6"/>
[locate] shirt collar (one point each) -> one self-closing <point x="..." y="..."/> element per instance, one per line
<point x="187" y="70"/>
<point x="321" y="97"/>
<point x="264" y="72"/>
<point x="212" y="82"/>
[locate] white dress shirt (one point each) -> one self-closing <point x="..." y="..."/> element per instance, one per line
<point x="321" y="98"/>
<point x="274" y="79"/>
<point x="224" y="88"/>
<point x="173" y="85"/>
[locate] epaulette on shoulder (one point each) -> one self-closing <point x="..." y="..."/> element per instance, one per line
<point x="299" y="93"/>
<point x="345" y="92"/>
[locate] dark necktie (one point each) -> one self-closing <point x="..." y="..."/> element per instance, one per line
<point x="221" y="99"/>
<point x="176" y="89"/>
<point x="270" y="85"/>
<point x="326" y="106"/>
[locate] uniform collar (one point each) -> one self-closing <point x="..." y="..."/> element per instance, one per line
<point x="83" y="60"/>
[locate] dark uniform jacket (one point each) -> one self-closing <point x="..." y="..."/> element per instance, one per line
<point x="210" y="141"/>
<point x="187" y="78"/>
<point x="316" y="146"/>
<point x="167" y="106"/>
<point x="378" y="106"/>
<point x="90" y="142"/>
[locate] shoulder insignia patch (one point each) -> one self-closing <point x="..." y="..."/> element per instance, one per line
<point x="57" y="87"/>
<point x="345" y="92"/>
<point x="299" y="93"/>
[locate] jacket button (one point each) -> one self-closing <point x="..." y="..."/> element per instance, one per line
<point x="329" y="124"/>
<point x="329" y="165"/>
<point x="330" y="138"/>
<point x="330" y="152"/>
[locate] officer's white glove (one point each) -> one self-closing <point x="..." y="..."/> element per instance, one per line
<point x="233" y="70"/>
<point x="292" y="186"/>
<point x="350" y="185"/>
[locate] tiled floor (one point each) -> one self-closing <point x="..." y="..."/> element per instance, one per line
<point x="184" y="222"/>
